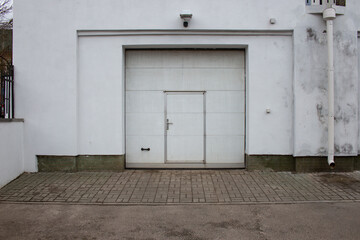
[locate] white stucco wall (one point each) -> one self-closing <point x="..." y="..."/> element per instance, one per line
<point x="11" y="154"/>
<point x="68" y="115"/>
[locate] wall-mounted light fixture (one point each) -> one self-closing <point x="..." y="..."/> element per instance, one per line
<point x="186" y="16"/>
<point x="272" y="20"/>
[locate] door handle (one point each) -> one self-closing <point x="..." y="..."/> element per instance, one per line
<point x="167" y="124"/>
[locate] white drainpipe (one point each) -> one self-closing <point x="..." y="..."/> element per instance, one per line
<point x="329" y="15"/>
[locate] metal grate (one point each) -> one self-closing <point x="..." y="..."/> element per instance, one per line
<point x="7" y="92"/>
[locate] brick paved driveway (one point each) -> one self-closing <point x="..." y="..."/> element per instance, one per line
<point x="182" y="186"/>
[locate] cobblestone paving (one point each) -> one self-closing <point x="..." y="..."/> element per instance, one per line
<point x="182" y="186"/>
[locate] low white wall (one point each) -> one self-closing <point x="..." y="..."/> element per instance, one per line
<point x="11" y="150"/>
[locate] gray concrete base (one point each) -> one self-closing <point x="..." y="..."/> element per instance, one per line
<point x="357" y="164"/>
<point x="301" y="164"/>
<point x="286" y="163"/>
<point x="57" y="163"/>
<point x="319" y="164"/>
<point x="81" y="163"/>
<point x="272" y="162"/>
<point x="100" y="162"/>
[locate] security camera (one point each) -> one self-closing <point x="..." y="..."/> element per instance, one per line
<point x="186" y="16"/>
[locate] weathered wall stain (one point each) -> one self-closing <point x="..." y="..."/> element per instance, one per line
<point x="314" y="36"/>
<point x="313" y="71"/>
<point x="311" y="34"/>
<point x="347" y="148"/>
<point x="343" y="149"/>
<point x="322" y="151"/>
<point x="344" y="44"/>
<point x="320" y="113"/>
<point x="316" y="81"/>
<point x="345" y="114"/>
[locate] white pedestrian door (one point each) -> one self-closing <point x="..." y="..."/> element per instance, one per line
<point x="184" y="127"/>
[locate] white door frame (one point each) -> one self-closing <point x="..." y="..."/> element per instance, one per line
<point x="166" y="93"/>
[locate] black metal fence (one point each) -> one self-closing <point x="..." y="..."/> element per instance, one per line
<point x="7" y="92"/>
<point x="324" y="2"/>
<point x="341" y="2"/>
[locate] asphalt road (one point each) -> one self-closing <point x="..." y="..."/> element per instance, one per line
<point x="194" y="221"/>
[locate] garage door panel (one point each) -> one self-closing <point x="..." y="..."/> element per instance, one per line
<point x="213" y="59"/>
<point x="144" y="124"/>
<point x="213" y="79"/>
<point x="135" y="143"/>
<point x="154" y="59"/>
<point x="229" y="79"/>
<point x="225" y="149"/>
<point x="225" y="124"/>
<point x="181" y="58"/>
<point x="185" y="79"/>
<point x="145" y="102"/>
<point x="225" y="101"/>
<point x="153" y="79"/>
<point x="187" y="84"/>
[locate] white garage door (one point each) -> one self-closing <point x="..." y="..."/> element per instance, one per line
<point x="185" y="108"/>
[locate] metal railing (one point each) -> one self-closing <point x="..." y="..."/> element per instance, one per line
<point x="7" y="92"/>
<point x="325" y="2"/>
